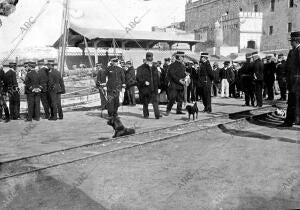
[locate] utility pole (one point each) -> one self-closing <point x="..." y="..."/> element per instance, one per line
<point x="65" y="36"/>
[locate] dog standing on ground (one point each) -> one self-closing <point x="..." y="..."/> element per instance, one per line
<point x="192" y="110"/>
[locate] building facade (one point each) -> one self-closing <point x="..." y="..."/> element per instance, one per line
<point x="264" y="25"/>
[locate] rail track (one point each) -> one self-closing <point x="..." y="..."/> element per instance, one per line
<point x="41" y="162"/>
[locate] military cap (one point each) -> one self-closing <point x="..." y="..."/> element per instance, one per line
<point x="295" y="35"/>
<point x="41" y="62"/>
<point x="50" y="62"/>
<point x="31" y="63"/>
<point x="254" y="53"/>
<point x="179" y="53"/>
<point x="99" y="64"/>
<point x="226" y="63"/>
<point x="128" y="63"/>
<point x="204" y="54"/>
<point x="280" y="55"/>
<point x="114" y="60"/>
<point x="12" y="64"/>
<point x="167" y="59"/>
<point x="248" y="55"/>
<point x="149" y="56"/>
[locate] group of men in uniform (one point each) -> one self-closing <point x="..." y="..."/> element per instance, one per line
<point x="42" y="84"/>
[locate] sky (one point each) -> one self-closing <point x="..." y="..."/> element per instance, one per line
<point x="109" y="14"/>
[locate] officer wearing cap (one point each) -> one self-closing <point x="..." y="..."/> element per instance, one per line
<point x="269" y="76"/>
<point x="115" y="84"/>
<point x="258" y="74"/>
<point x="226" y="78"/>
<point x="205" y="78"/>
<point x="293" y="82"/>
<point x="101" y="79"/>
<point x="148" y="84"/>
<point x="43" y="74"/>
<point x="130" y="81"/>
<point x="176" y="76"/>
<point x="247" y="80"/>
<point x="3" y="104"/>
<point x="13" y="91"/>
<point x="56" y="87"/>
<point x="281" y="76"/>
<point x="33" y="91"/>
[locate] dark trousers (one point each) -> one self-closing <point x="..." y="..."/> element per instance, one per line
<point x="33" y="101"/>
<point x="270" y="90"/>
<point x="205" y="91"/>
<point x="150" y="98"/>
<point x="249" y="96"/>
<point x="175" y="95"/>
<point x="215" y="88"/>
<point x="59" y="107"/>
<point x="293" y="109"/>
<point x="258" y="85"/>
<point x="130" y="92"/>
<point x="3" y="105"/>
<point x="113" y="103"/>
<point x="53" y="104"/>
<point x="232" y="90"/>
<point x="282" y="86"/>
<point x="191" y="93"/>
<point x="14" y="105"/>
<point x="45" y="98"/>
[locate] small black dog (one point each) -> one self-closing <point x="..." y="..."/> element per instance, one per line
<point x="119" y="128"/>
<point x="192" y="110"/>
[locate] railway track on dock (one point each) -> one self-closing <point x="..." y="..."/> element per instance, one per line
<point x="41" y="162"/>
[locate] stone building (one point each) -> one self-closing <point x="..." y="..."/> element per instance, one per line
<point x="264" y="25"/>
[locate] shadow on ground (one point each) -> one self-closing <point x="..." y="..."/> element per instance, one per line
<point x="48" y="193"/>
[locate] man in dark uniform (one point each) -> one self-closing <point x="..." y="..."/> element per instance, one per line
<point x="56" y="87"/>
<point x="130" y="82"/>
<point x="33" y="91"/>
<point x="3" y="104"/>
<point x="281" y="76"/>
<point x="216" y="82"/>
<point x="115" y="84"/>
<point x="148" y="84"/>
<point x="293" y="82"/>
<point x="101" y="79"/>
<point x="164" y="81"/>
<point x="13" y="91"/>
<point x="269" y="77"/>
<point x="177" y="81"/>
<point x="44" y="79"/>
<point x="205" y="78"/>
<point x="191" y="71"/>
<point x="258" y="70"/>
<point x="246" y="73"/>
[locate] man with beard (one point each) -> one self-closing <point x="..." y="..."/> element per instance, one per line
<point x="281" y="76"/>
<point x="216" y="82"/>
<point x="293" y="82"/>
<point x="177" y="81"/>
<point x="148" y="84"/>
<point x="247" y="80"/>
<point x="269" y="77"/>
<point x="205" y="78"/>
<point x="33" y="91"/>
<point x="258" y="70"/>
<point x="13" y="91"/>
